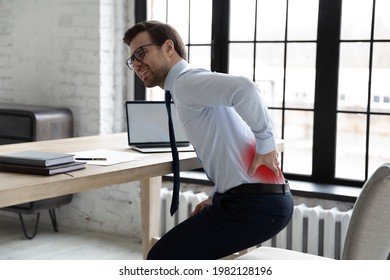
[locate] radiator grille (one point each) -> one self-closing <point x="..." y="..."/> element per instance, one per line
<point x="188" y="201"/>
<point x="314" y="230"/>
<point x="311" y="230"/>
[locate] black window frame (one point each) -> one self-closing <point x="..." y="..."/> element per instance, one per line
<point x="326" y="83"/>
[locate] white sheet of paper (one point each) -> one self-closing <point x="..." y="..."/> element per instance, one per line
<point x="112" y="157"/>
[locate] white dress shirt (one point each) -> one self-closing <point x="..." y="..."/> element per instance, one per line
<point x="223" y="117"/>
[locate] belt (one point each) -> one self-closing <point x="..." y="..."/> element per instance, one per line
<point x="260" y="188"/>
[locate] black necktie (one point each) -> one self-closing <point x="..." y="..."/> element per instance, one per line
<point x="175" y="156"/>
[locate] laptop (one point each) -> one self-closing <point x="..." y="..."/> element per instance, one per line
<point x="147" y="127"/>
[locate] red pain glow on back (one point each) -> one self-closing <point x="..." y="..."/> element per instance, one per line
<point x="263" y="173"/>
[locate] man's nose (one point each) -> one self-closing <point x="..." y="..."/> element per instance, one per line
<point x="136" y="64"/>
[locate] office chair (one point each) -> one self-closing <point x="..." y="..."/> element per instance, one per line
<point x="368" y="231"/>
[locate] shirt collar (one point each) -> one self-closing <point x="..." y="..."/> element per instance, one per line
<point x="173" y="73"/>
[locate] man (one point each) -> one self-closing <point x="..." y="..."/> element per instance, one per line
<point x="228" y="124"/>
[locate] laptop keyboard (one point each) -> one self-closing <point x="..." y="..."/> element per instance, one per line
<point x="162" y="145"/>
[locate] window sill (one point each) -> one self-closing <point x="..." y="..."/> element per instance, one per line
<point x="298" y="188"/>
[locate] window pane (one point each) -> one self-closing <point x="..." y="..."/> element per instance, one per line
<point x="382" y="19"/>
<point x="242" y="20"/>
<point x="270" y="72"/>
<point x="379" y="142"/>
<point x="300" y="75"/>
<point x="276" y="117"/>
<point x="200" y="56"/>
<point x="177" y="14"/>
<point x="298" y="144"/>
<point x="241" y="60"/>
<point x="154" y="94"/>
<point x="351" y="146"/>
<point x="302" y="19"/>
<point x="356" y="19"/>
<point x="380" y="82"/>
<point x="271" y="19"/>
<point x="201" y="16"/>
<point x="353" y="76"/>
<point x="157" y="10"/>
<point x="178" y="17"/>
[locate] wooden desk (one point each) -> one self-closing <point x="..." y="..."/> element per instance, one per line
<point x="21" y="188"/>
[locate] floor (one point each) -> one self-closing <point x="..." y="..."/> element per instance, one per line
<point x="67" y="244"/>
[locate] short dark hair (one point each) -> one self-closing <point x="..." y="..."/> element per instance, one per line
<point x="159" y="32"/>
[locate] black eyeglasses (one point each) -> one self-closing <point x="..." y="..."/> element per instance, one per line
<point x="138" y="54"/>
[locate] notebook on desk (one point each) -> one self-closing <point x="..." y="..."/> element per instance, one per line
<point x="147" y="127"/>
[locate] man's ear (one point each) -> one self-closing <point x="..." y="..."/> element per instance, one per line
<point x="169" y="47"/>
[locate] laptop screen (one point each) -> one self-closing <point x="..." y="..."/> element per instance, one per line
<point x="147" y="123"/>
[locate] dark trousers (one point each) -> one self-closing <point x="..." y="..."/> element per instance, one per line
<point x="233" y="223"/>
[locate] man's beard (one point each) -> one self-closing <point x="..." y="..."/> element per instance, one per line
<point x="154" y="80"/>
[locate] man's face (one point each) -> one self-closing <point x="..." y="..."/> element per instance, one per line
<point x="152" y="65"/>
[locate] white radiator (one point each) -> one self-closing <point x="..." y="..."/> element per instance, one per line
<point x="314" y="230"/>
<point x="311" y="230"/>
<point x="188" y="201"/>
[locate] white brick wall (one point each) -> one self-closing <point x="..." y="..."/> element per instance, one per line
<point x="69" y="53"/>
<point x="6" y="26"/>
<point x="114" y="73"/>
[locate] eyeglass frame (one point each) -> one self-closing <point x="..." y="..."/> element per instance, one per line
<point x="131" y="59"/>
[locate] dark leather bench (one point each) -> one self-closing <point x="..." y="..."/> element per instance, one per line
<point x="35" y="207"/>
<point x="26" y="123"/>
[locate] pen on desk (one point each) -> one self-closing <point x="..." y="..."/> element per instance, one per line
<point x="90" y="159"/>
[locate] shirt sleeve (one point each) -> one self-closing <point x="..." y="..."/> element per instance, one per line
<point x="213" y="89"/>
